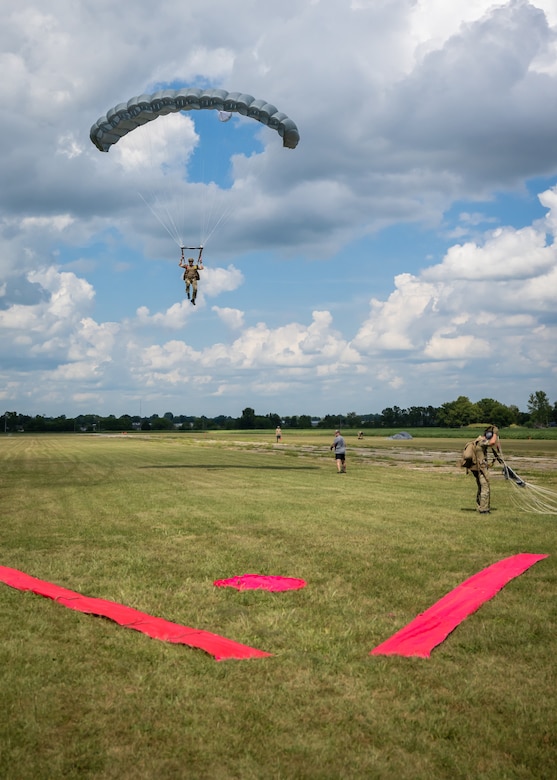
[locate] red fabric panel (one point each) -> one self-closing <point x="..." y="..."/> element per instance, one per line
<point x="157" y="628"/>
<point x="431" y="627"/>
<point x="261" y="582"/>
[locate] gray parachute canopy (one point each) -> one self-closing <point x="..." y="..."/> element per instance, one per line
<point x="125" y="117"/>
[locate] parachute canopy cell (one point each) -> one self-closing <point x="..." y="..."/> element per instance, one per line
<point x="125" y="117"/>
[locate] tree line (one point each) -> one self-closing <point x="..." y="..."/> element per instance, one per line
<point x="453" y="414"/>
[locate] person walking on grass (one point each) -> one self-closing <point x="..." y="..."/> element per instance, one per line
<point x="339" y="446"/>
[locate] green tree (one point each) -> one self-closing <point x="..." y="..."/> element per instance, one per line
<point x="61" y="424"/>
<point x="539" y="408"/>
<point x="125" y="422"/>
<point x="9" y="419"/>
<point x="492" y="411"/>
<point x="200" y="423"/>
<point x="392" y="416"/>
<point x="247" y="420"/>
<point x="226" y="422"/>
<point x="160" y="423"/>
<point x="371" y="420"/>
<point x="456" y="414"/>
<point x="110" y="423"/>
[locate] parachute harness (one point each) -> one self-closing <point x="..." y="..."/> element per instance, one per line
<point x="199" y="256"/>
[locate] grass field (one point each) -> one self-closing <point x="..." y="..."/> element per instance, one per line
<point x="151" y="520"/>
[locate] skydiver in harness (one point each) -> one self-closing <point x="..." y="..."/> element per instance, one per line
<point x="191" y="271"/>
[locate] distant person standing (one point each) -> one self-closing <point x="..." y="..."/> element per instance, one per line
<point x="339" y="446"/>
<point x="278" y="433"/>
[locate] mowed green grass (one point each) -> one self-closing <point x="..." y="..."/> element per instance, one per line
<point x="152" y="520"/>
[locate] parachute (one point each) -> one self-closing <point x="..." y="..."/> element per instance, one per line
<point x="154" y="155"/>
<point x="125" y="117"/>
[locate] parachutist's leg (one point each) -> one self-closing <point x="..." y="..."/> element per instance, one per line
<point x="188" y="290"/>
<point x="484" y="492"/>
<point x="479" y="489"/>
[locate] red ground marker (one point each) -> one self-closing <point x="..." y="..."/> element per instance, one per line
<point x="431" y="627"/>
<point x="261" y="582"/>
<point x="157" y="628"/>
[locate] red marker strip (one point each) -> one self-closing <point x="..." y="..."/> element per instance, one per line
<point x="157" y="628"/>
<point x="261" y="582"/>
<point x="431" y="627"/>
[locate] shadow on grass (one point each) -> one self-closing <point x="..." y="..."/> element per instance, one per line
<point x="475" y="511"/>
<point x="231" y="466"/>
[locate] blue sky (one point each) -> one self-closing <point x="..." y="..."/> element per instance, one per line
<point x="403" y="254"/>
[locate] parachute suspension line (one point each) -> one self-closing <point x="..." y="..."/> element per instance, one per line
<point x="161" y="188"/>
<point x="213" y="212"/>
<point x="173" y="228"/>
<point x="158" y="185"/>
<point x="535" y="499"/>
<point x="169" y="225"/>
<point x="528" y="497"/>
<point x="210" y="194"/>
<point x="223" y="217"/>
<point x="167" y="105"/>
<point x="209" y="207"/>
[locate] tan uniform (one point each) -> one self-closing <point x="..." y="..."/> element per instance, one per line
<point x="480" y="469"/>
<point x="191" y="277"/>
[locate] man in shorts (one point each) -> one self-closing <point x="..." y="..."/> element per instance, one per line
<point x="339" y="446"/>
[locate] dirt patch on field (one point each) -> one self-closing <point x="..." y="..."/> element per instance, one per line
<point x="439" y="460"/>
<point x="431" y="460"/>
<point x="434" y="460"/>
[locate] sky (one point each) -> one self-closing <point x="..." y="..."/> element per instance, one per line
<point x="403" y="254"/>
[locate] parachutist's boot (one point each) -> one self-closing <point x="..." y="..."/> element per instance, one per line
<point x="193" y="301"/>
